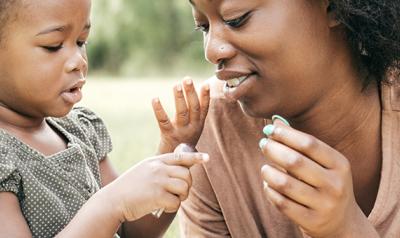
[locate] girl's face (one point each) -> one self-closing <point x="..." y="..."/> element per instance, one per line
<point x="276" y="56"/>
<point x="43" y="61"/>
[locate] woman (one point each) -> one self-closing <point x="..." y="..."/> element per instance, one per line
<point x="331" y="69"/>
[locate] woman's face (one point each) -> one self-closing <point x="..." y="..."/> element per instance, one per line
<point x="276" y="56"/>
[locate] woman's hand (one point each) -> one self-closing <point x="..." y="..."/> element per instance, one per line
<point x="159" y="182"/>
<point x="188" y="123"/>
<point x="310" y="182"/>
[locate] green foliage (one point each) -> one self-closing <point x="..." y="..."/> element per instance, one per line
<point x="143" y="37"/>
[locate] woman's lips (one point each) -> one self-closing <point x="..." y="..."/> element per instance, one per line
<point x="242" y="87"/>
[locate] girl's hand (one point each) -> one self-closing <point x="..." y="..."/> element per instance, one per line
<point x="188" y="123"/>
<point x="310" y="182"/>
<point x="159" y="182"/>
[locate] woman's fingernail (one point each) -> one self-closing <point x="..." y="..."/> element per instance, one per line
<point x="263" y="142"/>
<point x="269" y="130"/>
<point x="277" y="117"/>
<point x="179" y="88"/>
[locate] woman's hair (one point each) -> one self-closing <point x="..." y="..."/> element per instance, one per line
<point x="373" y="31"/>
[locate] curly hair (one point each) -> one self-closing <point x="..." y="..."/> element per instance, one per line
<point x="373" y="31"/>
<point x="6" y="15"/>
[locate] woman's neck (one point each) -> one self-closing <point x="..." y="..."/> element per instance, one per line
<point x="349" y="120"/>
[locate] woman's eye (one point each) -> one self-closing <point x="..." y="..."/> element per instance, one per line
<point x="202" y="27"/>
<point x="53" y="48"/>
<point x="237" y="22"/>
<point x="82" y="43"/>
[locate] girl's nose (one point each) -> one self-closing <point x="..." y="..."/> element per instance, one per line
<point x="78" y="61"/>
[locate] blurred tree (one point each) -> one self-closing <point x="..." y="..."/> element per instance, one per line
<point x="142" y="37"/>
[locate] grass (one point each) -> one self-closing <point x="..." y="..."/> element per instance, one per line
<point x="125" y="107"/>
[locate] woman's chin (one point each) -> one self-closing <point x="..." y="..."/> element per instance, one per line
<point x="255" y="111"/>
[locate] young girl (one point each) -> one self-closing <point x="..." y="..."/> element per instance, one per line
<point x="55" y="177"/>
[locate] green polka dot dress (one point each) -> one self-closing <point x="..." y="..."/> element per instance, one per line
<point x="51" y="189"/>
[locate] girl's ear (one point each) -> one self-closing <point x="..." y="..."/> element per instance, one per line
<point x="330" y="7"/>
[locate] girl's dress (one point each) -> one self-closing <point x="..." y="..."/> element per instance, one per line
<point x="51" y="189"/>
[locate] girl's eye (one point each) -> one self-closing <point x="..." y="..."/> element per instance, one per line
<point x="53" y="48"/>
<point x="82" y="43"/>
<point x="238" y="22"/>
<point x="203" y="27"/>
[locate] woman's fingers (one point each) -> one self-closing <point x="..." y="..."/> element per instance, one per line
<point x="295" y="163"/>
<point x="162" y="118"/>
<point x="296" y="212"/>
<point x="305" y="144"/>
<point x="290" y="187"/>
<point x="181" y="107"/>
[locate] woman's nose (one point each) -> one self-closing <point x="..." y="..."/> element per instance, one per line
<point x="218" y="49"/>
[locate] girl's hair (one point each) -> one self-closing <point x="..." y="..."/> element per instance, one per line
<point x="6" y="15"/>
<point x="373" y="31"/>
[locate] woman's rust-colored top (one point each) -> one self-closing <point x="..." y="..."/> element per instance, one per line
<point x="227" y="198"/>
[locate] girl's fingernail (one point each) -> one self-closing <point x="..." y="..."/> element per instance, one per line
<point x="263" y="142"/>
<point x="277" y="117"/>
<point x="269" y="130"/>
<point x="205" y="157"/>
<point x="265" y="185"/>
<point x="179" y="88"/>
<point x="188" y="81"/>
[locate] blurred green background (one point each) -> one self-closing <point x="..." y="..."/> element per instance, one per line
<point x="139" y="38"/>
<point x="138" y="50"/>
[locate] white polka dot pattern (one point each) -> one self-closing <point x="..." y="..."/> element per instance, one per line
<point x="52" y="189"/>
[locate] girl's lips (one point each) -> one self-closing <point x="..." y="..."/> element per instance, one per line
<point x="73" y="96"/>
<point x="234" y="94"/>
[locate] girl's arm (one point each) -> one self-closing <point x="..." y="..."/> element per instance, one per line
<point x="12" y="223"/>
<point x="97" y="218"/>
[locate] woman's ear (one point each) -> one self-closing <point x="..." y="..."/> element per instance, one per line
<point x="330" y="7"/>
